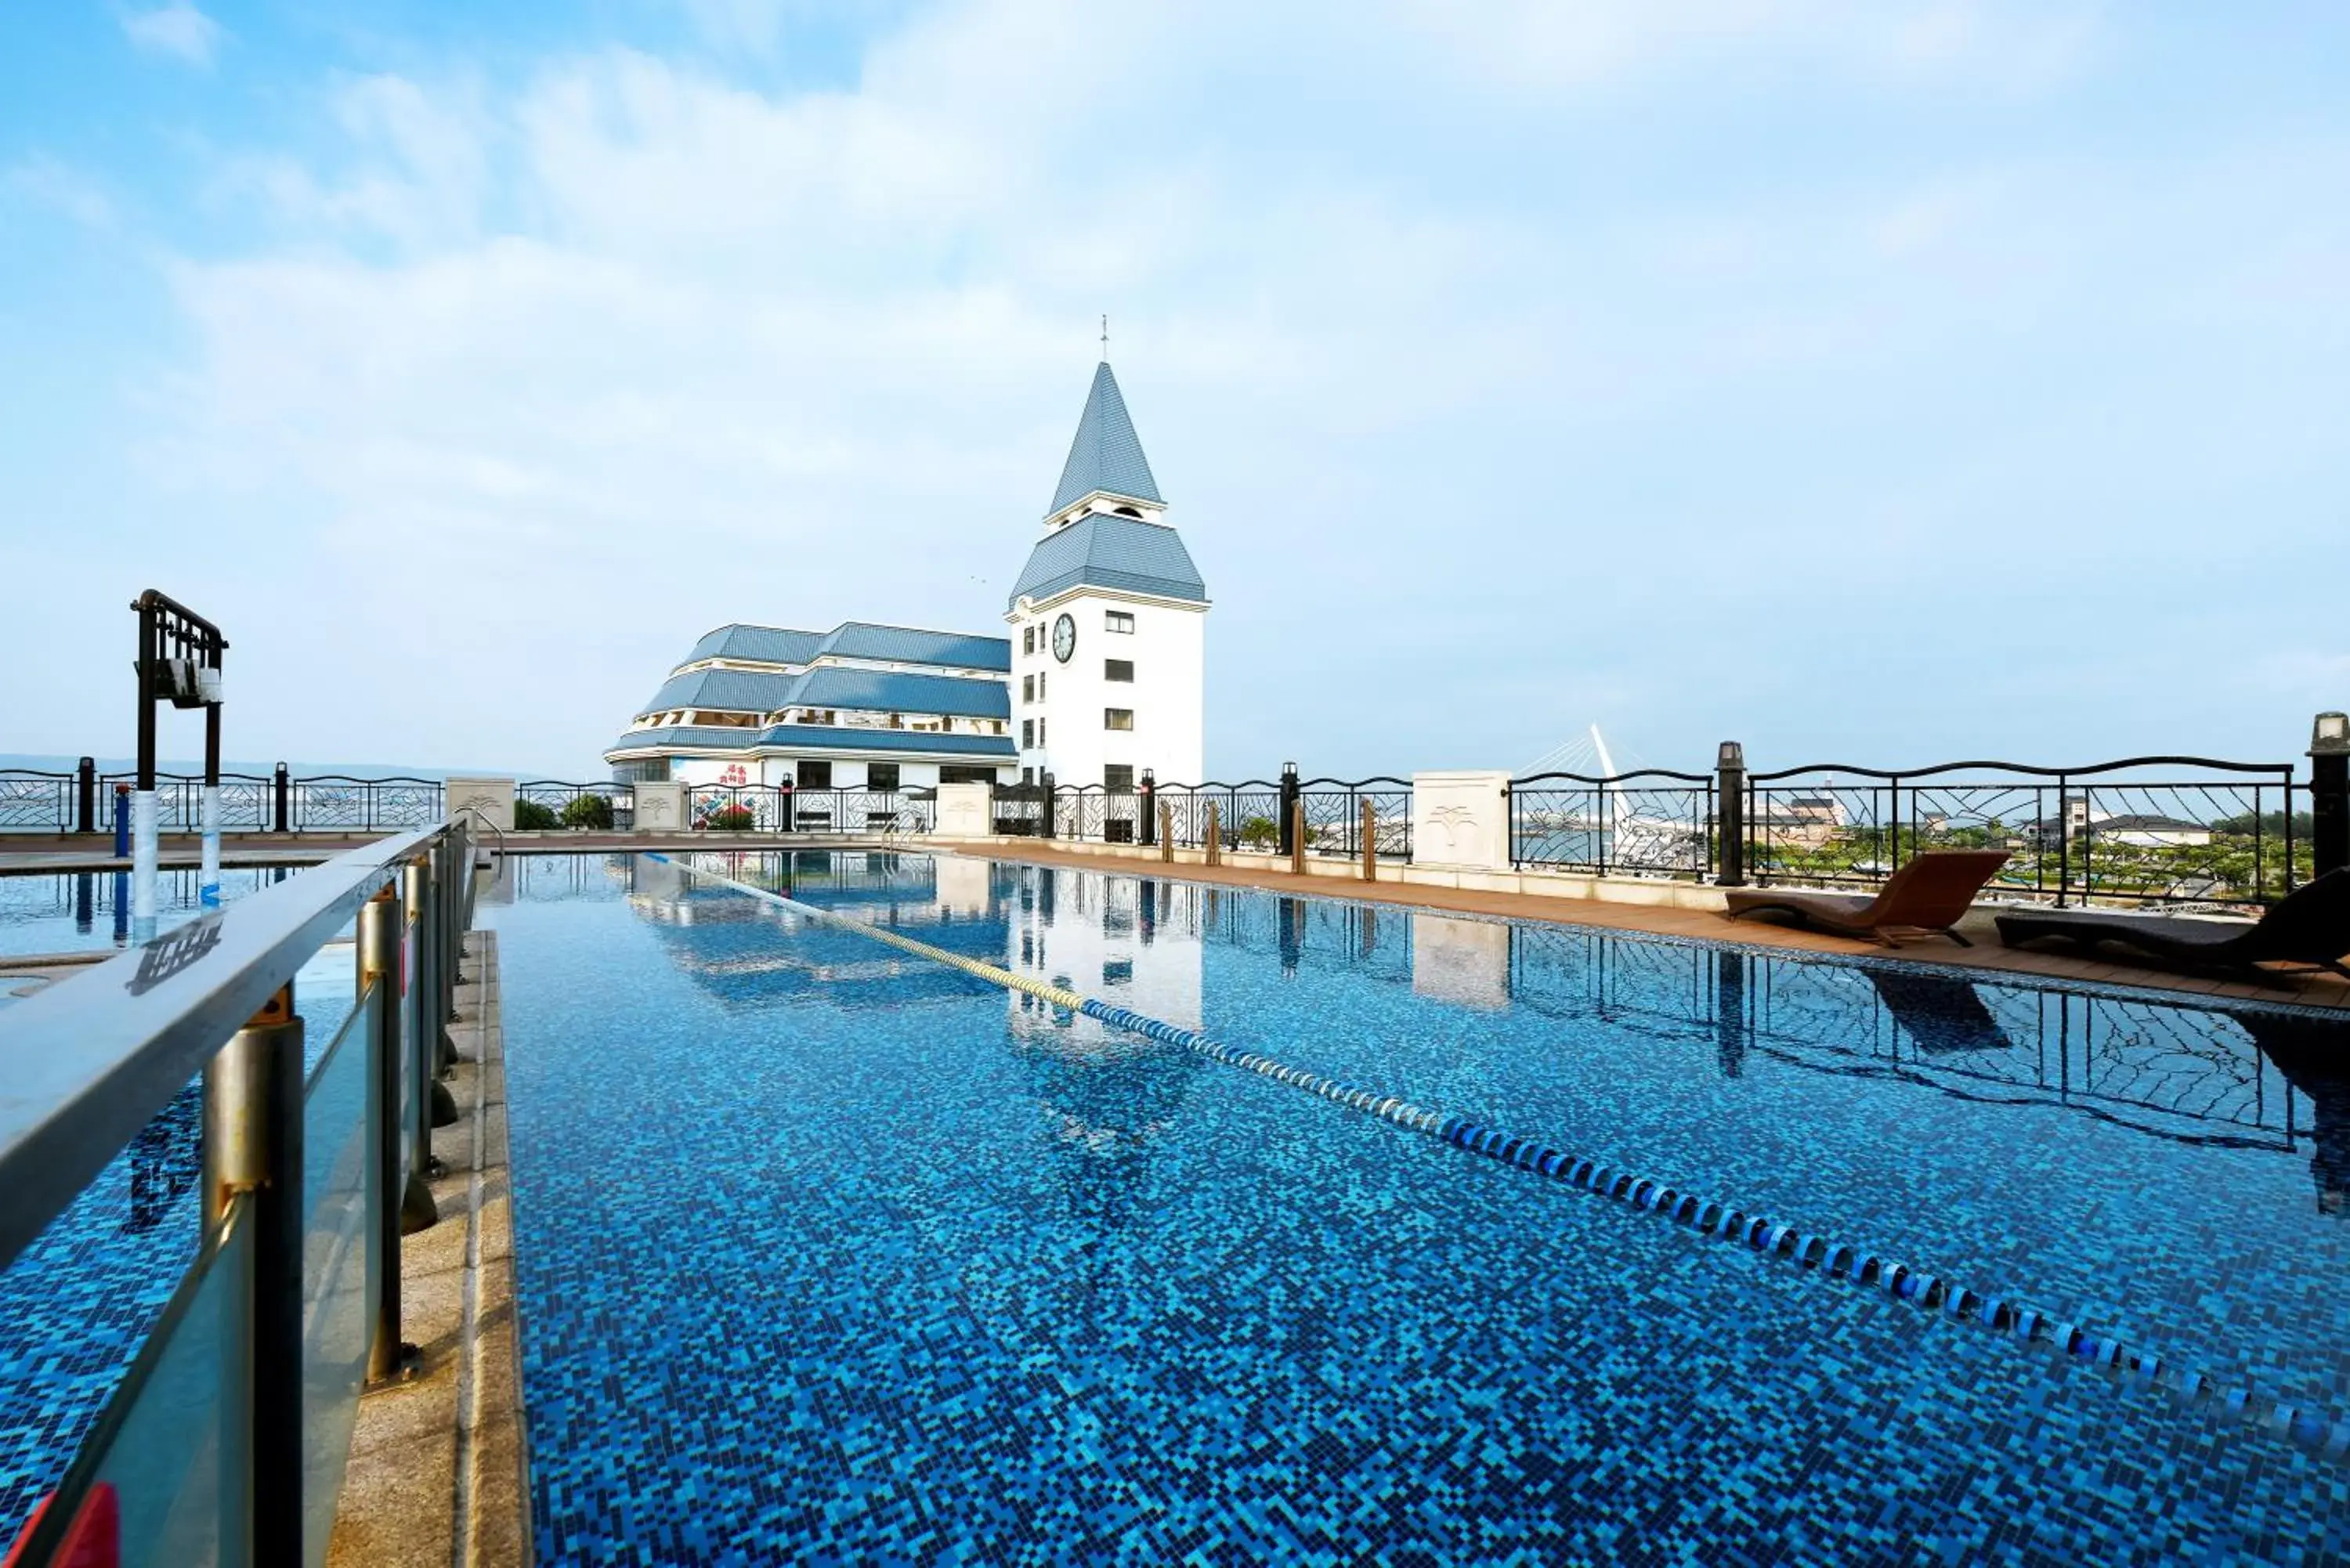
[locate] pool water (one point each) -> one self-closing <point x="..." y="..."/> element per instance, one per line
<point x="75" y="911"/>
<point x="826" y="1250"/>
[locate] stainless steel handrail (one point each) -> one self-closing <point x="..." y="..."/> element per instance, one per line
<point x="86" y="1062"/>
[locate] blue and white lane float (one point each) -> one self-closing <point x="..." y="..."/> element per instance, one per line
<point x="2311" y="1429"/>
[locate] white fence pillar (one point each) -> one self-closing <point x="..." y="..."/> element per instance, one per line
<point x="1461" y="821"/>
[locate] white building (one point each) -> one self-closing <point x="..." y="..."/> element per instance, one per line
<point x="1102" y="677"/>
<point x="1109" y="620"/>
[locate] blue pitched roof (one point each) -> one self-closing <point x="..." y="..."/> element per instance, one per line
<point x="1109" y="552"/>
<point x="889" y="690"/>
<point x="909" y="645"/>
<point x="760" y="644"/>
<point x="855" y="639"/>
<point x="819" y="738"/>
<point x="1107" y="454"/>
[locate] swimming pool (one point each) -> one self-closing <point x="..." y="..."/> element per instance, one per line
<point x="827" y="1249"/>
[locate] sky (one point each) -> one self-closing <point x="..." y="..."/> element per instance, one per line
<point x="1871" y="382"/>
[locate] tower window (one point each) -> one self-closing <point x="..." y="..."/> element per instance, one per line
<point x="1118" y="718"/>
<point x="1119" y="777"/>
<point x="1027" y="639"/>
<point x="1116" y="621"/>
<point x="1027" y="734"/>
<point x="1117" y="669"/>
<point x="1027" y="689"/>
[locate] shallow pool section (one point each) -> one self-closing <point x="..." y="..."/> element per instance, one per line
<point x="825" y="1249"/>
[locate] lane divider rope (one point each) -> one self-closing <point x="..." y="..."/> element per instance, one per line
<point x="1781" y="1240"/>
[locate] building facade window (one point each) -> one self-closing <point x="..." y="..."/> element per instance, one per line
<point x="1118" y="718"/>
<point x="813" y="774"/>
<point x="963" y="772"/>
<point x="1027" y="639"/>
<point x="881" y="775"/>
<point x="1119" y="777"/>
<point x="1117" y="669"/>
<point x="1040" y="685"/>
<point x="1040" y="732"/>
<point x="1116" y="621"/>
<point x="1027" y="734"/>
<point x="1027" y="689"/>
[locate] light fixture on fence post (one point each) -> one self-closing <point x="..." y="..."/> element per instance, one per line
<point x="2329" y="792"/>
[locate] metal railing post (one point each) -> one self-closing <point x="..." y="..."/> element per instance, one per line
<point x="1047" y="828"/>
<point x="252" y="1145"/>
<point x="1729" y="837"/>
<point x="429" y="1104"/>
<point x="281" y="799"/>
<point x="381" y="929"/>
<point x="2329" y="796"/>
<point x="1291" y="838"/>
<point x="86" y="796"/>
<point x="1147" y="816"/>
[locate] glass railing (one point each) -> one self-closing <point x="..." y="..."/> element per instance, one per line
<point x="227" y="1440"/>
<point x="155" y="1482"/>
<point x="341" y="1261"/>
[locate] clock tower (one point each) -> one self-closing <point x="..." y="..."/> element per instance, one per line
<point x="1109" y="620"/>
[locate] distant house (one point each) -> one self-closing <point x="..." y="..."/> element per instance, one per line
<point x="2150" y="831"/>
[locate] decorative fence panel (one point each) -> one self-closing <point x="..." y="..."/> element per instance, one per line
<point x="1017" y="811"/>
<point x="1248" y="814"/>
<point x="35" y="802"/>
<point x="1650" y="823"/>
<point x="246" y="802"/>
<point x="2143" y="830"/>
<point x="618" y="810"/>
<point x="1334" y="816"/>
<point x="330" y="801"/>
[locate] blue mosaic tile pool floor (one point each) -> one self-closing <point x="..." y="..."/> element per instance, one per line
<point x="828" y="1253"/>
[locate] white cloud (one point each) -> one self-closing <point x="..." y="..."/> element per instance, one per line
<point x="177" y="30"/>
<point x="53" y="184"/>
<point x="673" y="351"/>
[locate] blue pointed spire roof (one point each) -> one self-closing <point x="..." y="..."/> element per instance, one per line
<point x="1107" y="454"/>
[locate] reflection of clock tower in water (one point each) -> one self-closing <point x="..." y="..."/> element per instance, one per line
<point x="1109" y="620"/>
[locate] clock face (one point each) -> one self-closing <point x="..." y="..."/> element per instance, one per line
<point x="1064" y="638"/>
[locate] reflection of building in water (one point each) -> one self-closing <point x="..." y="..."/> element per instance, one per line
<point x="1466" y="963"/>
<point x="1109" y="1095"/>
<point x="1132" y="941"/>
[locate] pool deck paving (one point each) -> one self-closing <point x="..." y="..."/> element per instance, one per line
<point x="438" y="1469"/>
<point x="2298" y="986"/>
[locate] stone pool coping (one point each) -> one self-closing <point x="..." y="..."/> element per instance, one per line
<point x="439" y="1467"/>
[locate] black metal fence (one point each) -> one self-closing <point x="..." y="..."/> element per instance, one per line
<point x="1247" y="815"/>
<point x="2144" y="830"/>
<point x="2138" y="830"/>
<point x="1649" y="822"/>
<point x="1334" y="816"/>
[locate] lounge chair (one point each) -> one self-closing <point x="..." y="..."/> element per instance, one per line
<point x="1930" y="893"/>
<point x="2310" y="925"/>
